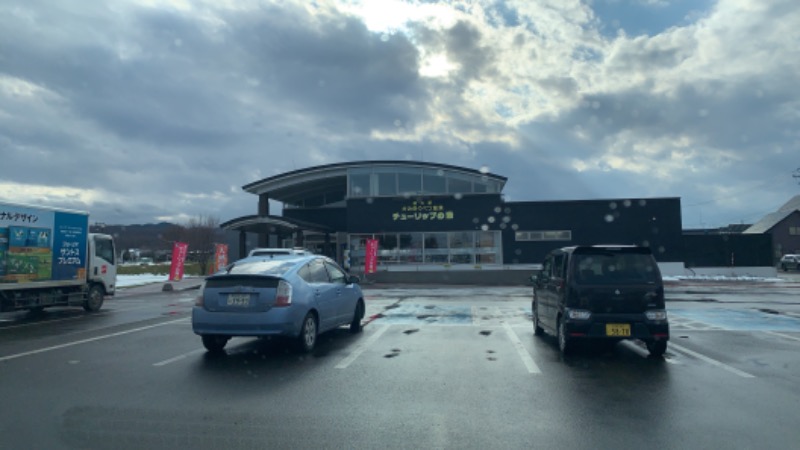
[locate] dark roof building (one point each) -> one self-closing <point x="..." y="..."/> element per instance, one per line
<point x="783" y="225"/>
<point x="428" y="216"/>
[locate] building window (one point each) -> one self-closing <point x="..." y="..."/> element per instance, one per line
<point x="433" y="182"/>
<point x="487" y="247"/>
<point x="458" y="184"/>
<point x="435" y="249"/>
<point x="410" y="251"/>
<point x="462" y="244"/>
<point x="359" y="185"/>
<point x="544" y="235"/>
<point x="387" y="184"/>
<point x="410" y="183"/>
<point x="455" y="247"/>
<point x="795" y="231"/>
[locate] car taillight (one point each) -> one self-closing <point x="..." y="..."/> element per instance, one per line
<point x="283" y="296"/>
<point x="198" y="301"/>
<point x="656" y="315"/>
<point x="579" y="314"/>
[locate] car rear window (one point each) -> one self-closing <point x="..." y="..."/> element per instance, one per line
<point x="274" y="267"/>
<point x="610" y="267"/>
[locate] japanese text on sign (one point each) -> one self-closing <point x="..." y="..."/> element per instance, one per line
<point x="69" y="254"/>
<point x="371" y="256"/>
<point x="421" y="211"/>
<point x="19" y="217"/>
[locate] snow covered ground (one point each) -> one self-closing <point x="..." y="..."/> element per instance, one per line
<point x="721" y="278"/>
<point x="138" y="280"/>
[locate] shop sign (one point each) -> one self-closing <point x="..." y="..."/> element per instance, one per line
<point x="422" y="211"/>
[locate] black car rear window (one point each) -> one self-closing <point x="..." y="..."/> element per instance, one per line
<point x="609" y="267"/>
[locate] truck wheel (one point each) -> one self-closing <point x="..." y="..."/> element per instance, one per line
<point x="94" y="299"/>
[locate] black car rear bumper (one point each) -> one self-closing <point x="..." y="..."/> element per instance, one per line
<point x="596" y="329"/>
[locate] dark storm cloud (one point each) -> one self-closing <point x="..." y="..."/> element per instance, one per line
<point x="336" y="70"/>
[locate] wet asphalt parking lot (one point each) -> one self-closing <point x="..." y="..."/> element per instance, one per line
<point x="435" y="367"/>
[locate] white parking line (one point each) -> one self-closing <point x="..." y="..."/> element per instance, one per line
<point x="786" y="336"/>
<point x="711" y="361"/>
<point x="84" y="341"/>
<point x="178" y="358"/>
<point x="360" y="349"/>
<point x="523" y="354"/>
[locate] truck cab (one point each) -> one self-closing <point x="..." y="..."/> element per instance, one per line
<point x="102" y="262"/>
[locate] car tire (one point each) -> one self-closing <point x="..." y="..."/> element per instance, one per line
<point x="537" y="329"/>
<point x="308" y="334"/>
<point x="564" y="343"/>
<point x="783" y="268"/>
<point x="214" y="343"/>
<point x="94" y="298"/>
<point x="657" y="348"/>
<point x="355" y="325"/>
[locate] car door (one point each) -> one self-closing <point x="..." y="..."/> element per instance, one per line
<point x="324" y="294"/>
<point x="343" y="294"/>
<point x="552" y="289"/>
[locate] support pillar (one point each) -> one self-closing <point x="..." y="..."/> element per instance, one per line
<point x="242" y="244"/>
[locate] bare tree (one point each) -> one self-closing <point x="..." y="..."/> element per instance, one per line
<point x="201" y="233"/>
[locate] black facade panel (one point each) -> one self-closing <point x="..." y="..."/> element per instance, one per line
<point x="728" y="250"/>
<point x="434" y="213"/>
<point x="335" y="218"/>
<point x="650" y="222"/>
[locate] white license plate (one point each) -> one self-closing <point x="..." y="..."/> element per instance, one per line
<point x="238" y="300"/>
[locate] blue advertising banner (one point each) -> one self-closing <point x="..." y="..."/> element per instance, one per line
<point x="70" y="234"/>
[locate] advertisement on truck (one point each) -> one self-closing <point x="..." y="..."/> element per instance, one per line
<point x="41" y="245"/>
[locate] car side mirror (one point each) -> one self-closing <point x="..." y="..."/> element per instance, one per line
<point x="352" y="279"/>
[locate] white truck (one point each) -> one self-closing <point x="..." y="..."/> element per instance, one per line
<point x="49" y="258"/>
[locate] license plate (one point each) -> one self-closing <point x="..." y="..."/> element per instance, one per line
<point x="618" y="329"/>
<point x="238" y="300"/>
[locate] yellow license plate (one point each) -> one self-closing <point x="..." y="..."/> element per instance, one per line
<point x="618" y="329"/>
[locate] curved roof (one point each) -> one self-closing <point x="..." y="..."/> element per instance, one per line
<point x="317" y="180"/>
<point x="272" y="224"/>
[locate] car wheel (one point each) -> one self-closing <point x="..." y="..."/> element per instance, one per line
<point x="355" y="325"/>
<point x="214" y="343"/>
<point x="537" y="329"/>
<point x="564" y="344"/>
<point x="94" y="299"/>
<point x="657" y="348"/>
<point x="308" y="334"/>
<point x="783" y="268"/>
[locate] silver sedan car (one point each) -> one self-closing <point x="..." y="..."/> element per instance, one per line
<point x="294" y="296"/>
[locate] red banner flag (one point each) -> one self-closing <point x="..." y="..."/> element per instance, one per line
<point x="371" y="256"/>
<point x="220" y="256"/>
<point x="179" y="250"/>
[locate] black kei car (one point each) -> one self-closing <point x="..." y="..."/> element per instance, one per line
<point x="605" y="293"/>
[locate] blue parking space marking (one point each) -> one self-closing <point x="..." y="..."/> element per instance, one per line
<point x="410" y="314"/>
<point x="738" y="320"/>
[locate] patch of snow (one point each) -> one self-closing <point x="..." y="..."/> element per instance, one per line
<point x="138" y="280"/>
<point x="720" y="278"/>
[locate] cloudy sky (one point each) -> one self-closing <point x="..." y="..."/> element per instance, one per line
<point x="160" y="110"/>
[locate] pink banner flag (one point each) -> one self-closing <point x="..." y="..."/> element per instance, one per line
<point x="220" y="256"/>
<point x="178" y="258"/>
<point x="371" y="257"/>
